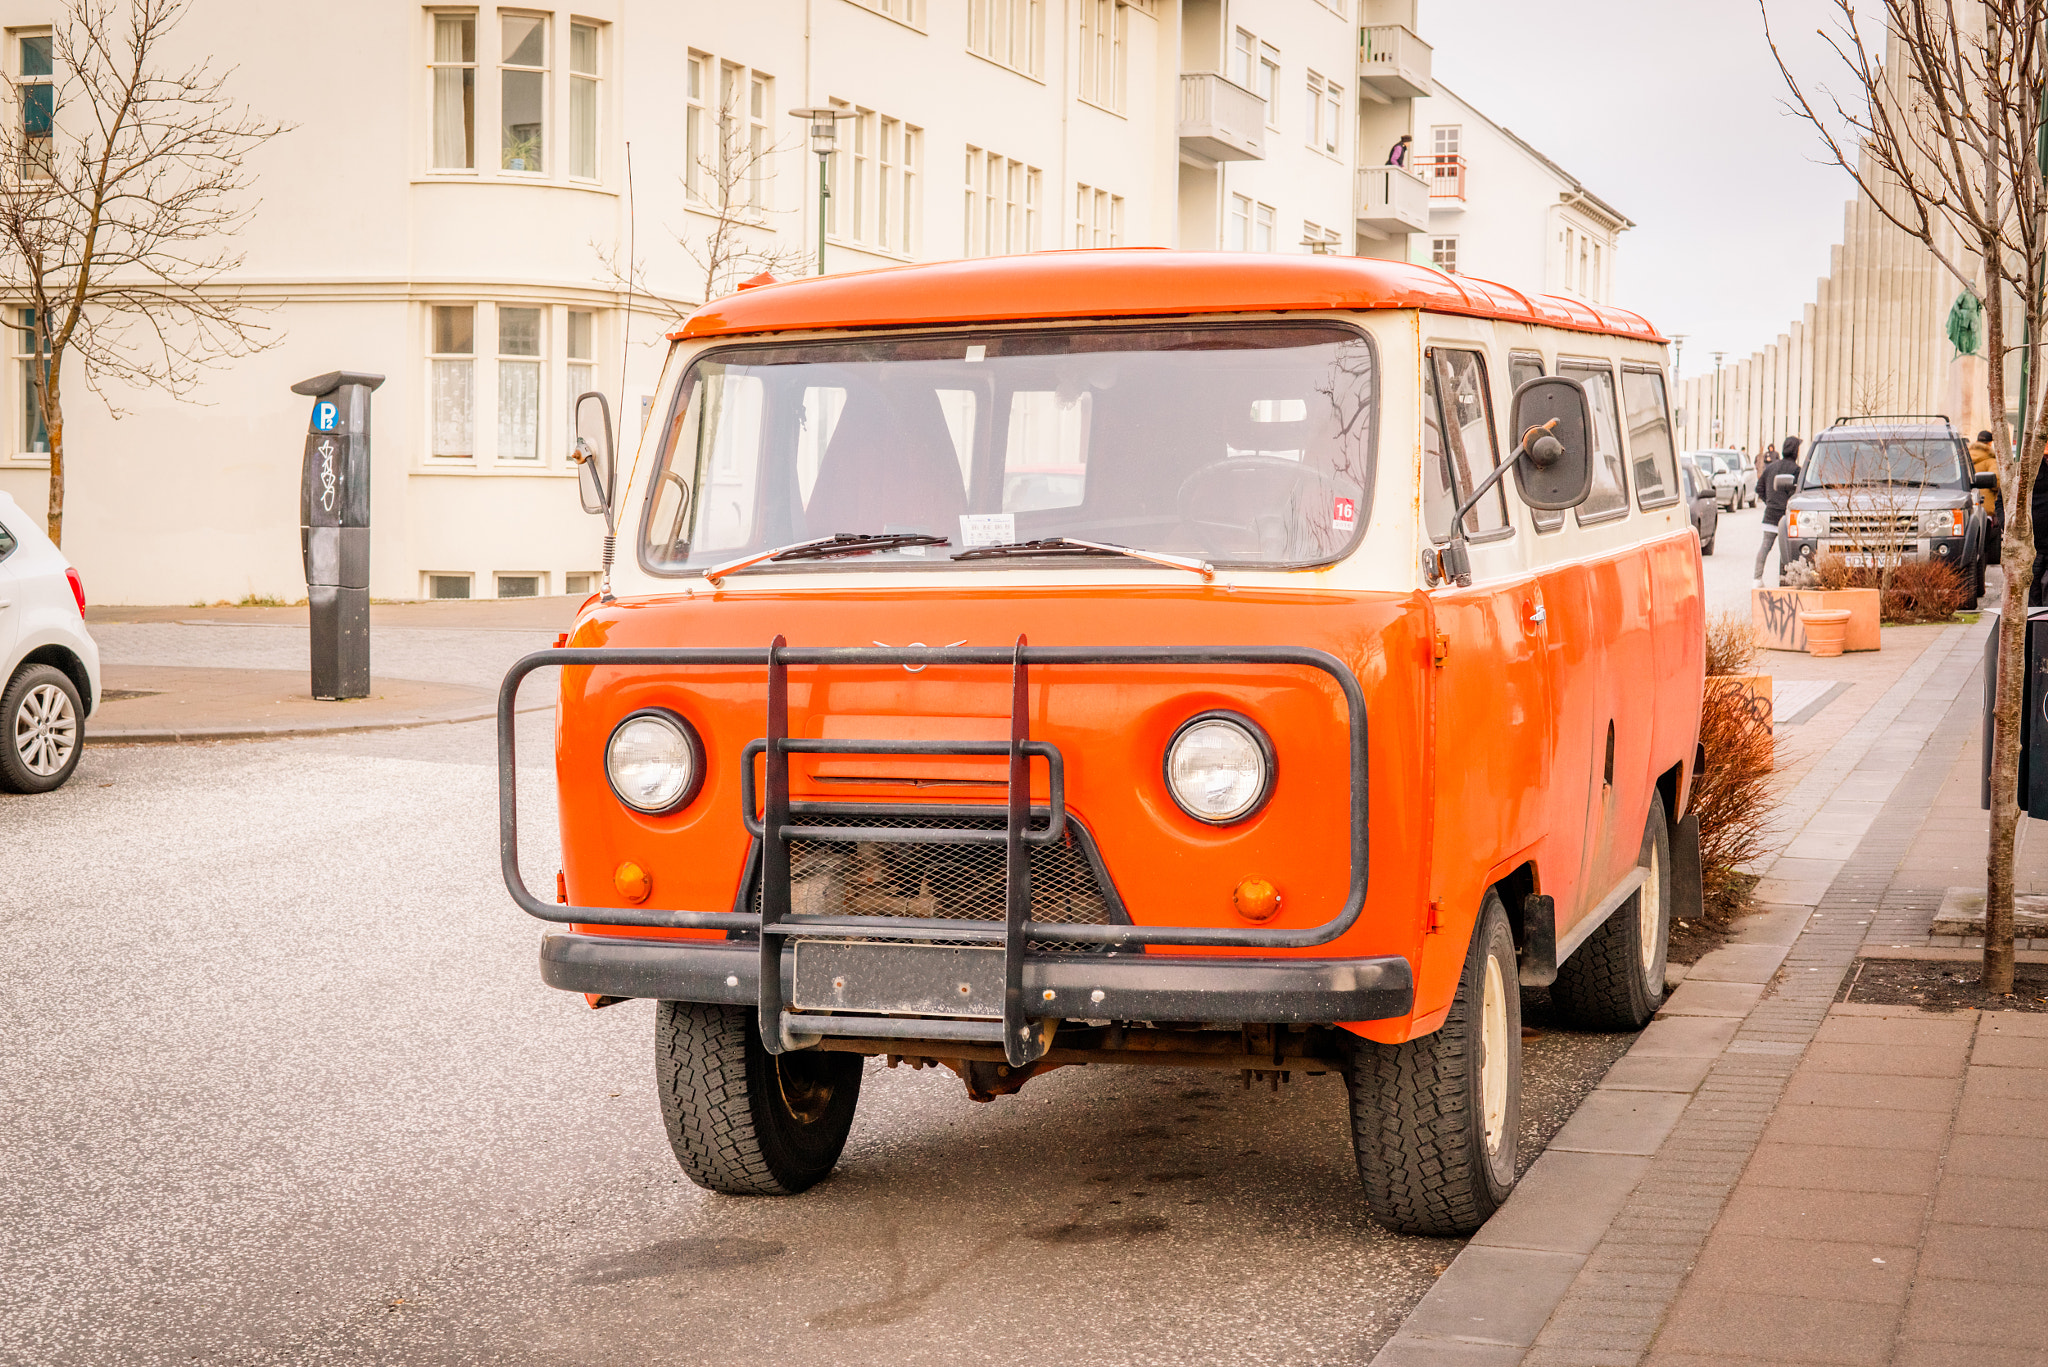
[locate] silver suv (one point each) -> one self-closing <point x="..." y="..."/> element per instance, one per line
<point x="1877" y="491"/>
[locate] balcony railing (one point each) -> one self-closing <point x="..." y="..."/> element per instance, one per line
<point x="1393" y="62"/>
<point x="1220" y="119"/>
<point x="1446" y="176"/>
<point x="1391" y="200"/>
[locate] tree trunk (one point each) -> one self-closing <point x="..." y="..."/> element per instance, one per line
<point x="53" y="423"/>
<point x="2018" y="559"/>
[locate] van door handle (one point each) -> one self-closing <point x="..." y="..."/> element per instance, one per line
<point x="1536" y="618"/>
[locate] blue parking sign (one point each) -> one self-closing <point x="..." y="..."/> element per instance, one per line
<point x="325" y="416"/>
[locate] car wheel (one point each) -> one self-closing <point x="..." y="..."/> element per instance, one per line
<point x="1616" y="979"/>
<point x="43" y="734"/>
<point x="741" y="1120"/>
<point x="1435" y="1121"/>
<point x="1707" y="546"/>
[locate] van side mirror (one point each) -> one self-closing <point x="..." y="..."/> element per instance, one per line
<point x="1785" y="484"/>
<point x="1984" y="479"/>
<point x="593" y="453"/>
<point x="1553" y="425"/>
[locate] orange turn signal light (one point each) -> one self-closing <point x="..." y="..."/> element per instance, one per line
<point x="1256" y="899"/>
<point x="634" y="883"/>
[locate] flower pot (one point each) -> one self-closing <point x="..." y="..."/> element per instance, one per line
<point x="1827" y="630"/>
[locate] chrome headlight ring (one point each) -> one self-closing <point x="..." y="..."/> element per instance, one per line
<point x="654" y="761"/>
<point x="1219" y="768"/>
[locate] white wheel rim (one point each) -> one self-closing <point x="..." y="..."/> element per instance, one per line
<point x="45" y="730"/>
<point x="1493" y="1056"/>
<point x="1650" y="917"/>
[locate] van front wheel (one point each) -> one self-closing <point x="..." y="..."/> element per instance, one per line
<point x="1434" y="1121"/>
<point x="741" y="1120"/>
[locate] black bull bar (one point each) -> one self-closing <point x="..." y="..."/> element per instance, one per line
<point x="1372" y="988"/>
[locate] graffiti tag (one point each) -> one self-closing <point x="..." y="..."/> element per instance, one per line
<point x="328" y="479"/>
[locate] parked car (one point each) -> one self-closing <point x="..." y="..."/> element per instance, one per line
<point x="1706" y="509"/>
<point x="1730" y="476"/>
<point x="1077" y="771"/>
<point x="48" y="659"/>
<point x="1880" y="490"/>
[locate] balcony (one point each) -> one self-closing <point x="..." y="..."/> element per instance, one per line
<point x="1393" y="64"/>
<point x="1446" y="177"/>
<point x="1391" y="200"/>
<point x="1221" y="120"/>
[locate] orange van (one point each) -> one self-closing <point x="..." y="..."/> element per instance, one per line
<point x="1255" y="663"/>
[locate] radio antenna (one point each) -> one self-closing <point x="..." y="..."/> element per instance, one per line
<point x="611" y="503"/>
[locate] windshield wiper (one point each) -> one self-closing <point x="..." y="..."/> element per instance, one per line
<point x="824" y="547"/>
<point x="1067" y="545"/>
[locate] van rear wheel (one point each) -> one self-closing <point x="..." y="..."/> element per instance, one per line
<point x="1434" y="1121"/>
<point x="1616" y="979"/>
<point x="741" y="1120"/>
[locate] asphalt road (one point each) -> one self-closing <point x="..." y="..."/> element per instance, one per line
<point x="283" y="1087"/>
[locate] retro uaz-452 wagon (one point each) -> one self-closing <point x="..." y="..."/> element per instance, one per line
<point x="1237" y="662"/>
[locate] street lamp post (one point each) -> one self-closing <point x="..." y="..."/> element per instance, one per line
<point x="824" y="122"/>
<point x="1678" y="369"/>
<point x="1717" y="395"/>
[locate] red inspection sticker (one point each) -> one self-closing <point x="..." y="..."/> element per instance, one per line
<point x="1343" y="514"/>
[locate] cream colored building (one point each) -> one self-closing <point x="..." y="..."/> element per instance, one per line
<point x="452" y="210"/>
<point x="1501" y="210"/>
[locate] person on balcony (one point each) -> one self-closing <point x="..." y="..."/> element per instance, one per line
<point x="1774" y="503"/>
<point x="1397" y="155"/>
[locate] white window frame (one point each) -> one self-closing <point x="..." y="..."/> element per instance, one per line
<point x="1269" y="82"/>
<point x="539" y="578"/>
<point x="909" y="13"/>
<point x="580" y="374"/>
<point x="594" y="79"/>
<point x="503" y="67"/>
<point x="427" y="578"/>
<point x="1102" y="53"/>
<point x="1443" y="253"/>
<point x="1002" y="204"/>
<point x="1325" y="115"/>
<point x="435" y="360"/>
<point x="22" y="356"/>
<point x="1098" y="217"/>
<point x="698" y="122"/>
<point x="20" y="82"/>
<point x="476" y="94"/>
<point x="1010" y="33"/>
<point x="538" y="362"/>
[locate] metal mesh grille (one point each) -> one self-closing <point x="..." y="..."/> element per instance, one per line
<point x="947" y="882"/>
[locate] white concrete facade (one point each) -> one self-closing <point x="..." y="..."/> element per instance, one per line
<point x="1501" y="210"/>
<point x="465" y="245"/>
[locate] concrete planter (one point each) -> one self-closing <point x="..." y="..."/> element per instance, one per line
<point x="1775" y="614"/>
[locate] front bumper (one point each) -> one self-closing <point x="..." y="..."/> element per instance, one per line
<point x="1119" y="987"/>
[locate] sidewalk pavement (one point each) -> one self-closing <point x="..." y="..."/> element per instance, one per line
<point x="173" y="674"/>
<point x="1770" y="1176"/>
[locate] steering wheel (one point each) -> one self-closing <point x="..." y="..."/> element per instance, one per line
<point x="1247" y="505"/>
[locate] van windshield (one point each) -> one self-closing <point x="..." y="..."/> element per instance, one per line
<point x="1851" y="463"/>
<point x="1248" y="444"/>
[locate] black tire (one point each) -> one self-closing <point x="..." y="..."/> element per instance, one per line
<point x="1429" y="1159"/>
<point x="42" y="730"/>
<point x="1707" y="546"/>
<point x="1614" y="982"/>
<point x="741" y="1120"/>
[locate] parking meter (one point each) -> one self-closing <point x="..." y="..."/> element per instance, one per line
<point x="2033" y="775"/>
<point x="334" y="530"/>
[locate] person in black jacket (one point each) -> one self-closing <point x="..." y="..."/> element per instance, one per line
<point x="1774" y="498"/>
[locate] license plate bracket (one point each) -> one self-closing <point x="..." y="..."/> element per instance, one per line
<point x="963" y="982"/>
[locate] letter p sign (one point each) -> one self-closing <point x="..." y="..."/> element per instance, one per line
<point x="325" y="416"/>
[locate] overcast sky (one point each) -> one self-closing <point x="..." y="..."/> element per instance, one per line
<point x="1671" y="111"/>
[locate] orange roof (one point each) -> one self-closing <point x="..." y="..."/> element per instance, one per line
<point x="1135" y="282"/>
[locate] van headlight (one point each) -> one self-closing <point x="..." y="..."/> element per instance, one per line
<point x="654" y="761"/>
<point x="1219" y="767"/>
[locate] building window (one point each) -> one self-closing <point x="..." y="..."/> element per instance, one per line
<point x="448" y="585"/>
<point x="1250" y="227"/>
<point x="37" y="94"/>
<point x="895" y="146"/>
<point x="454" y="75"/>
<point x="1002" y="204"/>
<point x="1098" y="218"/>
<point x="520" y="585"/>
<point x="1447" y="141"/>
<point x="1007" y="31"/>
<point x="518" y="383"/>
<point x="1102" y="53"/>
<point x="697" y="123"/>
<point x="582" y="366"/>
<point x="1325" y="113"/>
<point x="580" y="584"/>
<point x="1314" y="233"/>
<point x="909" y="12"/>
<point x="1443" y="254"/>
<point x="523" y="92"/>
<point x="583" y="102"/>
<point x="452" y="382"/>
<point x="32" y="347"/>
<point x="1597" y="287"/>
<point x="1269" y="82"/>
<point x="744" y="99"/>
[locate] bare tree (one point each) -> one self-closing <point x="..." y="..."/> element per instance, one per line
<point x="1871" y="394"/>
<point x="118" y="181"/>
<point x="1943" y="140"/>
<point x="727" y="184"/>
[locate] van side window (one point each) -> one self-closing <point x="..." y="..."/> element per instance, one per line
<point x="1524" y="366"/>
<point x="1649" y="436"/>
<point x="1610" y="486"/>
<point x="1459" y="448"/>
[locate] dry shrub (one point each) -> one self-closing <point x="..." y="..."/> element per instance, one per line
<point x="1731" y="644"/>
<point x="1836" y="572"/>
<point x="1732" y="791"/>
<point x="1923" y="591"/>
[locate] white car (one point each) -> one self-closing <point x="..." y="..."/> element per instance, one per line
<point x="49" y="663"/>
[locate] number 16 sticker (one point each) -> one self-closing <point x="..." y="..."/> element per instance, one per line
<point x="1343" y="515"/>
